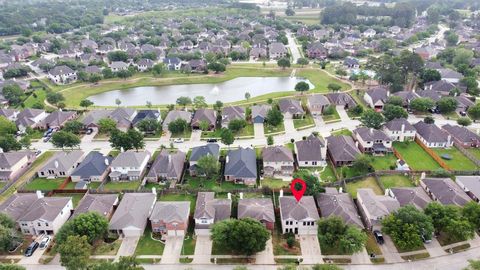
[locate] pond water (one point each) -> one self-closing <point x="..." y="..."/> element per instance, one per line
<point x="229" y="91"/>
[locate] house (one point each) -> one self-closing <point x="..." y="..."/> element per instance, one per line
<point x="241" y="166"/>
<point x="18" y="204"/>
<point x="432" y="136"/>
<point x="260" y="209"/>
<point x="146" y="114"/>
<point x="316" y="51"/>
<point x="317" y="103"/>
<point x="167" y="167"/>
<point x="311" y="152"/>
<point x="450" y="75"/>
<point x="198" y="152"/>
<point x="174" y="115"/>
<point x="230" y="113"/>
<point x="129" y="166"/>
<point x="426" y="52"/>
<point x="376" y="97"/>
<point x="61" y="164"/>
<point x="333" y="203"/>
<point x="9" y="114"/>
<point x="29" y="118"/>
<point x="341" y="100"/>
<point x="399" y="129"/>
<point x="91" y="118"/>
<point x="100" y="203"/>
<point x="277" y="50"/>
<point x="442" y="87"/>
<point x="415" y="196"/>
<point x="62" y="75"/>
<point x="94" y="168"/>
<point x="369" y="33"/>
<point x="207" y="115"/>
<point x="259" y="113"/>
<point x="172" y="63"/>
<point x="209" y="210"/>
<point x="463" y="104"/>
<point x="93" y="70"/>
<point x="117" y="66"/>
<point x="350" y="62"/>
<point x="445" y="191"/>
<point x="298" y="217"/>
<point x="57" y="119"/>
<point x="463" y="136"/>
<point x="277" y="160"/>
<point x="407" y="97"/>
<point x="14" y="164"/>
<point x="144" y="64"/>
<point x="372" y="141"/>
<point x="374" y="207"/>
<point x="170" y="218"/>
<point x="291" y="108"/>
<point x="130" y="218"/>
<point x="123" y="117"/>
<point x="342" y="150"/>
<point x="258" y="53"/>
<point x="196" y="65"/>
<point x="470" y="184"/>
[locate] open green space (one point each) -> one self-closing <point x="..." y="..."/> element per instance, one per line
<point x="210" y="184"/>
<point x="386" y="162"/>
<point x="148" y="246"/>
<point x="320" y="79"/>
<point x="305" y="122"/>
<point x="269" y="129"/>
<point x="38" y="96"/>
<point x="368" y="182"/>
<point x="121" y="185"/>
<point x="44" y="184"/>
<point x="458" y="160"/>
<point x="415" y="156"/>
<point x="389" y="181"/>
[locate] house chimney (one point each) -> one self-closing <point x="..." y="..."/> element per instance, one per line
<point x="356" y="144"/>
<point x="449" y="140"/>
<point x="340" y="190"/>
<point x="229" y="196"/>
<point x="39" y="194"/>
<point x="1" y="150"/>
<point x="154" y="190"/>
<point x="107" y="163"/>
<point x="281" y="193"/>
<point x="169" y="158"/>
<point x="422" y="176"/>
<point x="56" y="163"/>
<point x="388" y="93"/>
<point x="226" y="159"/>
<point x="241" y="195"/>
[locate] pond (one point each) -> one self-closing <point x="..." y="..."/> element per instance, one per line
<point x="229" y="91"/>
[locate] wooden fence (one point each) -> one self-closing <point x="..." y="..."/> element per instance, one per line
<point x="433" y="154"/>
<point x="467" y="154"/>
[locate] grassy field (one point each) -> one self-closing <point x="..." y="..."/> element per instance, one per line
<point x="458" y="162"/>
<point x="274" y="183"/>
<point x="210" y="184"/>
<point x="328" y="175"/>
<point x="368" y="182"/>
<point x="147" y="246"/>
<point x="380" y="163"/>
<point x="31" y="100"/>
<point x="320" y="79"/>
<point x="389" y="181"/>
<point x="304" y="122"/>
<point x="121" y="185"/>
<point x="475" y="152"/>
<point x="415" y="156"/>
<point x="44" y="184"/>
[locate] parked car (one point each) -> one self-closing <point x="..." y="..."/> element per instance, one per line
<point x="89" y="131"/>
<point x="212" y="140"/>
<point x="38" y="152"/>
<point x="31" y="249"/>
<point x="45" y="241"/>
<point x="178" y="140"/>
<point x="46" y="139"/>
<point x="425" y="238"/>
<point x="379" y="237"/>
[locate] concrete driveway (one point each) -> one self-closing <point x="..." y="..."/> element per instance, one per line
<point x="203" y="250"/>
<point x="289" y="127"/>
<point x="310" y="247"/>
<point x="266" y="256"/>
<point x="342" y="113"/>
<point x="389" y="251"/>
<point x="434" y="248"/>
<point x="318" y="121"/>
<point x="34" y="258"/>
<point x="89" y="137"/>
<point x="173" y="249"/>
<point x="196" y="135"/>
<point x="258" y="130"/>
<point x="128" y="246"/>
<point x="361" y="257"/>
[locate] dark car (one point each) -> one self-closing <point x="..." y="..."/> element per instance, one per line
<point x="212" y="140"/>
<point x="379" y="237"/>
<point x="31" y="249"/>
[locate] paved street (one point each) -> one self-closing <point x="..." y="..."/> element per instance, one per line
<point x="203" y="250"/>
<point x="128" y="246"/>
<point x="310" y="247"/>
<point x="173" y="249"/>
<point x="293" y="47"/>
<point x="266" y="256"/>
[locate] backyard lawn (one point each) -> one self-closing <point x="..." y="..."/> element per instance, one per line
<point x="274" y="183"/>
<point x="475" y="152"/>
<point x="44" y="184"/>
<point x="179" y="197"/>
<point x="389" y="181"/>
<point x="304" y="122"/>
<point x="415" y="156"/>
<point x="328" y="175"/>
<point x="368" y="182"/>
<point x="381" y="163"/>
<point x="210" y="184"/>
<point x="458" y="162"/>
<point x="76" y="197"/>
<point x="121" y="185"/>
<point x="147" y="246"/>
<point x="268" y="129"/>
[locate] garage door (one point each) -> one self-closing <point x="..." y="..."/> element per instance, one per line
<point x="172" y="233"/>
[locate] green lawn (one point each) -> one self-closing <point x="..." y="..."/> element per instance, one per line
<point x="268" y="129"/>
<point x="44" y="184"/>
<point x="121" y="185"/>
<point x="343" y="131"/>
<point x="107" y="248"/>
<point x="304" y="122"/>
<point x="186" y="134"/>
<point x="280" y="246"/>
<point x="76" y="197"/>
<point x="331" y="117"/>
<point x="94" y="185"/>
<point x="389" y="181"/>
<point x="247" y="131"/>
<point x="274" y="183"/>
<point x="328" y="175"/>
<point x="180" y="197"/>
<point x="31" y="100"/>
<point x="368" y="182"/>
<point x="458" y="162"/>
<point x="147" y="246"/>
<point x="415" y="156"/>
<point x="380" y="163"/>
<point x="475" y="152"/>
<point x="320" y="79"/>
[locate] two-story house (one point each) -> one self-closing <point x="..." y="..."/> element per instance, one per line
<point x="29" y="118"/>
<point x="311" y="152"/>
<point x="198" y="152"/>
<point x="277" y="160"/>
<point x="376" y="97"/>
<point x="129" y="166"/>
<point x="170" y="218"/>
<point x="167" y="167"/>
<point x="209" y="210"/>
<point x="372" y="141"/>
<point x="61" y="164"/>
<point x="399" y="130"/>
<point x="14" y="164"/>
<point x="298" y="217"/>
<point x="62" y="75"/>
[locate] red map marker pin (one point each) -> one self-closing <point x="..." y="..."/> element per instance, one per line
<point x="298" y="194"/>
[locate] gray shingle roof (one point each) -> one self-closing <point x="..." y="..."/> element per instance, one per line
<point x="259" y="209"/>
<point x="45" y="208"/>
<point x="470" y="183"/>
<point x="175" y="114"/>
<point x="208" y="149"/>
<point x="342" y="148"/>
<point x="260" y="110"/>
<point x="377" y="205"/>
<point x="370" y="134"/>
<point x="318" y="100"/>
<point x="100" y="203"/>
<point x="94" y="164"/>
<point x="431" y="133"/>
<point x="396" y="125"/>
<point x="63" y="161"/>
<point x="171" y="212"/>
<point x="446" y="191"/>
<point x="277" y="154"/>
<point x="415" y="196"/>
<point x="341" y="99"/>
<point x="168" y="165"/>
<point x="9" y="159"/>
<point x="130" y="159"/>
<point x="310" y="149"/>
<point x="133" y="211"/>
<point x="291" y="106"/>
<point x="304" y="209"/>
<point x="57" y="118"/>
<point x="61" y="70"/>
<point x="17" y="204"/>
<point x="208" y="115"/>
<point x="340" y="205"/>
<point x="462" y="134"/>
<point x="378" y="94"/>
<point x="232" y="112"/>
<point x="208" y="207"/>
<point x="241" y="163"/>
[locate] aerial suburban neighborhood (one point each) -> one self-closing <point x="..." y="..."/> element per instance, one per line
<point x="240" y="134"/>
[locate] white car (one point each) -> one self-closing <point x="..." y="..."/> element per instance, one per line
<point x="45" y="241"/>
<point x="178" y="140"/>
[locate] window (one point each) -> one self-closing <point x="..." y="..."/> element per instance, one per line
<point x="46" y="224"/>
<point x="38" y="224"/>
<point x="305" y="223"/>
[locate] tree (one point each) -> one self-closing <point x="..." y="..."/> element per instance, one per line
<point x="73" y="126"/>
<point x="302" y="61"/>
<point x="25" y="142"/>
<point x="395" y="100"/>
<point x="218" y="105"/>
<point x="106" y="125"/>
<point x="82" y="76"/>
<point x="274" y="117"/>
<point x="204" y="125"/>
<point x="86" y="103"/>
<point x="334" y="87"/>
<point x="217" y="67"/>
<point x="62" y="139"/>
<point x="325" y="267"/>
<point x="9" y="237"/>
<point x="302" y="87"/>
<point x="7" y="126"/>
<point x="429" y="120"/>
<point x="407" y="226"/>
<point x="117" y="56"/>
<point x="247" y="96"/>
<point x="124" y="74"/>
<point x="333" y="231"/>
<point x="236" y="125"/>
<point x="474" y="111"/>
<point x="107" y="73"/>
<point x="208" y="165"/>
<point x="177" y="126"/>
<point x="393" y="111"/>
<point x="289" y="11"/>
<point x="362" y="164"/>
<point x="471" y="211"/>
<point x="270" y="140"/>
<point x="118" y="101"/>
<point x="312" y="182"/>
<point x="9" y="143"/>
<point x="357" y="110"/>
<point x="448" y="219"/>
<point x="136" y="139"/>
<point x="158" y="69"/>
<point x="473" y="265"/>
<point x="227" y="137"/>
<point x="90" y="224"/>
<point x="451" y="38"/>
<point x="131" y="139"/>
<point x="283" y="63"/>
<point x="422" y="104"/>
<point x="11" y="267"/>
<point x="462" y="57"/>
<point x="13" y="93"/>
<point x="372" y="119"/>
<point x="55" y="98"/>
<point x="464" y="121"/>
<point x="471" y="84"/>
<point x="430" y="75"/>
<point x="125" y="263"/>
<point x="95" y="78"/>
<point x="199" y="102"/>
<point x="447" y="104"/>
<point x="243" y="236"/>
<point x="148" y="125"/>
<point x="184" y="101"/>
<point x="75" y="252"/>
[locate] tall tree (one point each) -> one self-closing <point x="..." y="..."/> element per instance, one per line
<point x="7" y="126"/>
<point x="63" y="139"/>
<point x="86" y="103"/>
<point x="227" y="136"/>
<point x="106" y="125"/>
<point x="177" y="126"/>
<point x="208" y="165"/>
<point x="149" y="125"/>
<point x="9" y="143"/>
<point x="372" y="119"/>
<point x="283" y="63"/>
<point x="274" y="117"/>
<point x="91" y="224"/>
<point x="302" y="87"/>
<point x="75" y="252"/>
<point x="13" y="93"/>
<point x="392" y="111"/>
<point x="73" y="126"/>
<point x="333" y="231"/>
<point x="184" y="101"/>
<point x="199" y="102"/>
